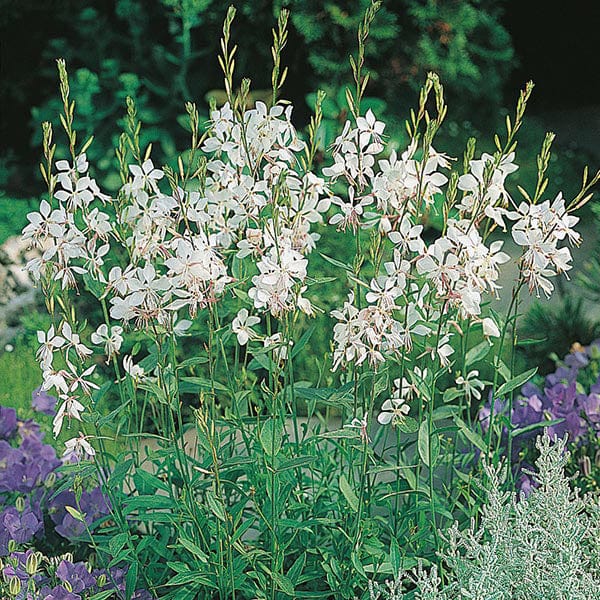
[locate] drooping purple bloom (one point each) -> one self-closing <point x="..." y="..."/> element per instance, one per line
<point x="43" y="402"/>
<point x="590" y="404"/>
<point x="8" y="422"/>
<point x="21" y="527"/>
<point x="59" y="593"/>
<point x="76" y="574"/>
<point x="29" y="429"/>
<point x="577" y="360"/>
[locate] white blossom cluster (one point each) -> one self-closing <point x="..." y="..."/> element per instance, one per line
<point x="157" y="249"/>
<point x="423" y="284"/>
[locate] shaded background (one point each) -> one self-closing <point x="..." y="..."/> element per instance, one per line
<point x="483" y="50"/>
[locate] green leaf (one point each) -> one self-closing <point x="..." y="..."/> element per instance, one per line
<point x="215" y="505"/>
<point x="424" y="445"/>
<point x="296" y="569"/>
<point x="516" y="382"/>
<point x="534" y="426"/>
<point x="148" y="502"/>
<point x="192" y="362"/>
<point x="193" y="549"/>
<point x="408" y="425"/>
<point x="348" y="492"/>
<point x="471" y="435"/>
<point x="294" y="463"/>
<point x="93" y="286"/>
<point x="477" y="353"/>
<point x="445" y="412"/>
<point x="283" y="583"/>
<point x="271" y="437"/>
<point x="199" y="384"/>
<point x="102" y="595"/>
<point x="451" y="394"/>
<point x="303" y="341"/>
<point x="131" y="579"/>
<point x="117" y="542"/>
<point x="337" y="263"/>
<point x="395" y="556"/>
<point x="119" y="472"/>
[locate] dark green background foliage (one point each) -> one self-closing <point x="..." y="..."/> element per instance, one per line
<point x="163" y="53"/>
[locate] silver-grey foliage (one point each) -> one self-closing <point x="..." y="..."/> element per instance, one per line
<point x="544" y="546"/>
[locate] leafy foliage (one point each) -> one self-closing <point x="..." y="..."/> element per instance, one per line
<point x="544" y="545"/>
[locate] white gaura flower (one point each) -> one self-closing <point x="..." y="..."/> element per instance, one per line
<point x="471" y="385"/>
<point x="73" y="341"/>
<point x="134" y="371"/>
<point x="408" y="237"/>
<point x="146" y="175"/>
<point x="70" y="408"/>
<point x="241" y="326"/>
<point x="393" y="410"/>
<point x="78" y="448"/>
<point x="49" y="343"/>
<point x="362" y="425"/>
<point x="278" y="346"/>
<point x="79" y="380"/>
<point x="490" y="329"/>
<point x="111" y="341"/>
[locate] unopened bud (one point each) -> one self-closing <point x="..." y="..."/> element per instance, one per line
<point x="50" y="480"/>
<point x="20" y="504"/>
<point x="32" y="564"/>
<point x="12" y="546"/>
<point x="101" y="581"/>
<point x="67" y="586"/>
<point x="15" y="586"/>
<point x="586" y="465"/>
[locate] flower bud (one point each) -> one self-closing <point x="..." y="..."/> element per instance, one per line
<point x="586" y="465"/>
<point x="50" y="480"/>
<point x="32" y="564"/>
<point x="12" y="546"/>
<point x="15" y="586"/>
<point x="101" y="581"/>
<point x="20" y="504"/>
<point x="67" y="586"/>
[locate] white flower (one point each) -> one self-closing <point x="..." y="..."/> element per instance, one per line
<point x="278" y="346"/>
<point x="49" y="343"/>
<point x="135" y="371"/>
<point x="111" y="342"/>
<point x="78" y="448"/>
<point x="471" y="385"/>
<point x="490" y="329"/>
<point x="146" y="175"/>
<point x="241" y="326"/>
<point x="73" y="341"/>
<point x="70" y="408"/>
<point x="362" y="425"/>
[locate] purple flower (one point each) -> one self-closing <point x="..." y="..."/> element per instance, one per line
<point x="526" y="484"/>
<point x="59" y="593"/>
<point x="486" y="410"/>
<point x="75" y="574"/>
<point x="20" y="526"/>
<point x="43" y="402"/>
<point x="30" y="429"/>
<point x="591" y="407"/>
<point x="8" y="422"/>
<point x="577" y="360"/>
